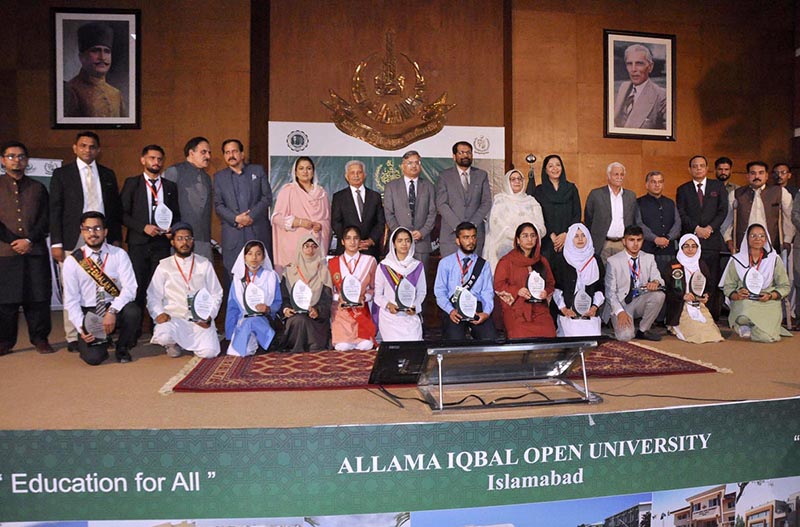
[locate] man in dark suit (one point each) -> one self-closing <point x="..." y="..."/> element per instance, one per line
<point x="608" y="211"/>
<point x="75" y="188"/>
<point x="462" y="194"/>
<point x="359" y="206"/>
<point x="703" y="205"/>
<point x="409" y="202"/>
<point x="242" y="198"/>
<point x="141" y="195"/>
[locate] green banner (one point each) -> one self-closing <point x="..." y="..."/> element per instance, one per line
<point x="139" y="474"/>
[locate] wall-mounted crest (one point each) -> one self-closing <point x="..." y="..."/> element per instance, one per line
<point x="388" y="109"/>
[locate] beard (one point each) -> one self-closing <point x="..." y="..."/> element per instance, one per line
<point x="464" y="162"/>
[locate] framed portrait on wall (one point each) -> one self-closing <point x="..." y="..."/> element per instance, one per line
<point x="96" y="68"/>
<point x="639" y="85"/>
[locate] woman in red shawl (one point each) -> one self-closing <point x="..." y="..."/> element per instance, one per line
<point x="523" y="315"/>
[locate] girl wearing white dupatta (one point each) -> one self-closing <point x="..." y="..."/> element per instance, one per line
<point x="394" y="324"/>
<point x="582" y="272"/>
<point x="687" y="315"/>
<point x="759" y="319"/>
<point x="247" y="331"/>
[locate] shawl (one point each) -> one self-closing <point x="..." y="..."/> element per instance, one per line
<point x="767" y="264"/>
<point x="405" y="266"/>
<point x="588" y="273"/>
<point x="313" y="268"/>
<point x="546" y="189"/>
<point x="265" y="277"/>
<point x="692" y="265"/>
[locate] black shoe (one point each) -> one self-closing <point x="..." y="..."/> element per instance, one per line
<point x="72" y="346"/>
<point x="44" y="348"/>
<point x="648" y="335"/>
<point x="123" y="356"/>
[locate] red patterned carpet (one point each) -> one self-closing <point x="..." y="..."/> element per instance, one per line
<point x="335" y="369"/>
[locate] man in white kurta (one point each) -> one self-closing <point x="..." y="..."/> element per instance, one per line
<point x="175" y="279"/>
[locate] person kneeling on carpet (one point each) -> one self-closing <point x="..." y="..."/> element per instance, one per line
<point x="254" y="298"/>
<point x="183" y="298"/>
<point x="306" y="290"/>
<point x="99" y="293"/>
<point x="353" y="276"/>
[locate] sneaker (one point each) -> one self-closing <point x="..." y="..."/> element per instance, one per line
<point x="72" y="346"/>
<point x="123" y="356"/>
<point x="174" y="351"/>
<point x="648" y="335"/>
<point x="744" y="331"/>
<point x="44" y="348"/>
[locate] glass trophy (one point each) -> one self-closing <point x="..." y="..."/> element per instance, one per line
<point x="93" y="324"/>
<point x="405" y="294"/>
<point x="200" y="305"/>
<point x="535" y="286"/>
<point x="697" y="284"/>
<point x="582" y="303"/>
<point x="351" y="291"/>
<point x="754" y="282"/>
<point x="163" y="217"/>
<point x="253" y="296"/>
<point x="301" y="297"/>
<point x="466" y="303"/>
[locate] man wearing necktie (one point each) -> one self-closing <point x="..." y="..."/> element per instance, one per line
<point x="409" y="202"/>
<point x="81" y="186"/>
<point x="141" y="194"/>
<point x="632" y="289"/>
<point x="462" y="194"/>
<point x="359" y="206"/>
<point x="640" y="102"/>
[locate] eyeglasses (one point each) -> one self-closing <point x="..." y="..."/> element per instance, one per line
<point x="515" y="179"/>
<point x="781" y="172"/>
<point x="96" y="228"/>
<point x="184" y="238"/>
<point x="12" y="157"/>
<point x="757" y="236"/>
<point x="412" y="163"/>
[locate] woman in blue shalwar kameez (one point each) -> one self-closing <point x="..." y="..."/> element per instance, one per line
<point x="247" y="331"/>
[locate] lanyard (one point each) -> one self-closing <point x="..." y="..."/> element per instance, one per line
<point x="757" y="263"/>
<point x="247" y="278"/>
<point x="464" y="268"/>
<point x="191" y="270"/>
<point x="153" y="189"/>
<point x="587" y="264"/>
<point x="355" y="266"/>
<point x="94" y="263"/>
<point x="635" y="274"/>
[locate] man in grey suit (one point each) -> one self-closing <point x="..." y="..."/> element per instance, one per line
<point x="608" y="211"/>
<point x="194" y="192"/>
<point x="408" y="202"/>
<point x="632" y="282"/>
<point x="242" y="197"/>
<point x="640" y="102"/>
<point x="462" y="194"/>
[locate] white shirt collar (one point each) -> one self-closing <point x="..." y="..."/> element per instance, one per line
<point x="82" y="166"/>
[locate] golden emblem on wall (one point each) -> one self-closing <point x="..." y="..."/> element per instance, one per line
<point x="388" y="109"/>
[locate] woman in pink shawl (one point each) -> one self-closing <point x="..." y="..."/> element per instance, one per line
<point x="302" y="208"/>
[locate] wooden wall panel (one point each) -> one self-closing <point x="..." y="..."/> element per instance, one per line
<point x="315" y="46"/>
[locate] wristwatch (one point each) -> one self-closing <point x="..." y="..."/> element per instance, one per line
<point x="113" y="310"/>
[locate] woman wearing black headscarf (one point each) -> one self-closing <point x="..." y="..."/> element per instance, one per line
<point x="561" y="205"/>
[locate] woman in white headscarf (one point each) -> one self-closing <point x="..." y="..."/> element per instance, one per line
<point x="394" y="323"/>
<point x="687" y="315"/>
<point x="510" y="207"/>
<point x="583" y="273"/>
<point x="247" y="326"/>
<point x="757" y="318"/>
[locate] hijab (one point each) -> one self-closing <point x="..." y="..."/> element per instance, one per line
<point x="582" y="260"/>
<point x="265" y="278"/>
<point x="767" y="264"/>
<point x="311" y="269"/>
<point x="691" y="264"/>
<point x="405" y="266"/>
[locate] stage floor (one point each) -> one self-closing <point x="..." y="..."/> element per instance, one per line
<point x="58" y="391"/>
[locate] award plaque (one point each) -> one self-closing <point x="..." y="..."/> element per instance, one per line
<point x="535" y="286"/>
<point x="163" y="217"/>
<point x="466" y="303"/>
<point x="93" y="324"/>
<point x="351" y="291"/>
<point x="301" y="297"/>
<point x="754" y="282"/>
<point x="200" y="305"/>
<point x="253" y="295"/>
<point x="697" y="284"/>
<point x="405" y="294"/>
<point x="582" y="302"/>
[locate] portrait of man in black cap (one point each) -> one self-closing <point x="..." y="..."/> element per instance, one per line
<point x="88" y="94"/>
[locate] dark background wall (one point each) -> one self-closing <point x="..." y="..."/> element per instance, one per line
<point x="535" y="66"/>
